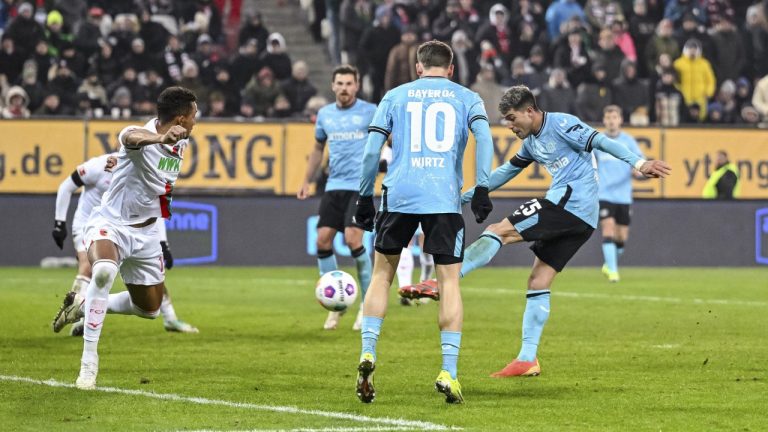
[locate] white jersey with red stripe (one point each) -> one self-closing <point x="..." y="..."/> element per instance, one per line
<point x="96" y="175"/>
<point x="142" y="183"/>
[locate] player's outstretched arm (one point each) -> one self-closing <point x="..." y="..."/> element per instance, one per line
<point x="481" y="203"/>
<point x="63" y="197"/>
<point x="649" y="168"/>
<point x="365" y="210"/>
<point x="499" y="177"/>
<point x="135" y="138"/>
<point x="315" y="159"/>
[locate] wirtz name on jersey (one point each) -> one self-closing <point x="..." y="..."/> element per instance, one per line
<point x="428" y="162"/>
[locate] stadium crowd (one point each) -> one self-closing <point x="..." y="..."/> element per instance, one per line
<point x="664" y="62"/>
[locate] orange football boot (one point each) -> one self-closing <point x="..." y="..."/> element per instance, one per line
<point x="519" y="368"/>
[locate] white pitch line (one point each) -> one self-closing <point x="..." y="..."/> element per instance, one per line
<point x="412" y="424"/>
<point x="327" y="429"/>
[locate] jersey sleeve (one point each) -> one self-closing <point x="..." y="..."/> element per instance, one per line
<point x="476" y="110"/>
<point x="121" y="136"/>
<point x="523" y="157"/>
<point x="320" y="134"/>
<point x="577" y="134"/>
<point x="382" y="118"/>
<point x="634" y="148"/>
<point x="90" y="170"/>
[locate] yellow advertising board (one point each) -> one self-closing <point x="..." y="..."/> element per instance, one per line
<point x="692" y="154"/>
<point x="37" y="155"/>
<point x="220" y="156"/>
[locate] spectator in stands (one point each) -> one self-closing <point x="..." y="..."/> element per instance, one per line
<point x="16" y="101"/>
<point x="593" y="95"/>
<point x="205" y="58"/>
<point x="450" y="21"/>
<point x="760" y="97"/>
<point x="262" y="90"/>
<point x="174" y="59"/>
<point x="55" y="33"/>
<point x="276" y="58"/>
<point x="355" y="16"/>
<point x="559" y="12"/>
<point x="517" y="74"/>
<point x="631" y="93"/>
<point x="536" y="67"/>
<point x="223" y="84"/>
<point x="281" y="108"/>
<point x="245" y="64"/>
<point x="572" y="57"/>
<point x="696" y="78"/>
<point x="678" y="10"/>
<point x="152" y="33"/>
<point x="121" y="104"/>
<point x="124" y="30"/>
<point x="152" y="87"/>
<point x="497" y="31"/>
<point x="24" y="30"/>
<point x="297" y="89"/>
<point x="756" y="38"/>
<point x="715" y="113"/>
<point x="642" y="28"/>
<point x="11" y="61"/>
<point x="72" y="11"/>
<point x="743" y="93"/>
<point x="217" y="106"/>
<point x="723" y="184"/>
<point x="490" y="92"/>
<point x="35" y="91"/>
<point x="469" y="15"/>
<point x="138" y="57"/>
<point x="730" y="56"/>
<point x="253" y="28"/>
<point x="401" y="64"/>
<point x="424" y="27"/>
<point x="377" y="41"/>
<point x="313" y="106"/>
<point x="88" y="36"/>
<point x="107" y="66"/>
<point x="52" y="107"/>
<point x="128" y="80"/>
<point x="601" y="14"/>
<point x="246" y="110"/>
<point x="190" y="79"/>
<point x="692" y="29"/>
<point x="557" y="95"/>
<point x="609" y="55"/>
<point x="75" y="60"/>
<point x="623" y="40"/>
<point x="465" y="64"/>
<point x="64" y="84"/>
<point x="669" y="102"/>
<point x="662" y="43"/>
<point x="94" y="91"/>
<point x="726" y="97"/>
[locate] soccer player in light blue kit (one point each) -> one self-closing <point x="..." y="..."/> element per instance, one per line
<point x="615" y="193"/>
<point x="428" y="121"/>
<point x="343" y="126"/>
<point x="559" y="223"/>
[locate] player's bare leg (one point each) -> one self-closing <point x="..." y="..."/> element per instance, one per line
<point x="450" y="321"/>
<point x="353" y="237"/>
<point x="535" y="316"/>
<point x="326" y="261"/>
<point x="610" y="233"/>
<point x="374" y="310"/>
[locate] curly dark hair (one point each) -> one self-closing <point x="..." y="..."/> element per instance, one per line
<point x="174" y="102"/>
<point x="517" y="98"/>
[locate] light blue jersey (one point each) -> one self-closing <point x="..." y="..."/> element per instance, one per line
<point x="615" y="175"/>
<point x="429" y="121"/>
<point x="345" y="131"/>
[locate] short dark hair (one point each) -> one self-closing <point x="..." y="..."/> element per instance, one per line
<point x="345" y="69"/>
<point x="434" y="54"/>
<point x="173" y="102"/>
<point x="612" y="108"/>
<point x="517" y="98"/>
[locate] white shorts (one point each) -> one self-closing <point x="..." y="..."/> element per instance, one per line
<point x="78" y="239"/>
<point x="140" y="255"/>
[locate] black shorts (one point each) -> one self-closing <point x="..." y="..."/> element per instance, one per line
<point x="337" y="208"/>
<point x="619" y="212"/>
<point x="443" y="234"/>
<point x="557" y="233"/>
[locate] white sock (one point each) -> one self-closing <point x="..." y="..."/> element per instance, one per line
<point x="96" y="298"/>
<point x="427" y="266"/>
<point x="405" y="268"/>
<point x="80" y="284"/>
<point x="120" y="303"/>
<point x="166" y="308"/>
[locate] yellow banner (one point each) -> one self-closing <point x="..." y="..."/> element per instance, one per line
<point x="693" y="152"/>
<point x="227" y="156"/>
<point x="37" y="155"/>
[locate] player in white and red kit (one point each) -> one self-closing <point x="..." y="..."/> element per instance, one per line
<point x="122" y="233"/>
<point x="95" y="175"/>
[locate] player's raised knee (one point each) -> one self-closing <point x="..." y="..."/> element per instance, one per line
<point x="104" y="272"/>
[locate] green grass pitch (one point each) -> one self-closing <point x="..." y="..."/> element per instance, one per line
<point x="664" y="349"/>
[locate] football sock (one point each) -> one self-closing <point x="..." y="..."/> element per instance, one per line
<point x="609" y="253"/>
<point x="80" y="284"/>
<point x="534" y="318"/>
<point x="619" y="249"/>
<point x="405" y="268"/>
<point x="363" y="261"/>
<point x="166" y="308"/>
<point x="427" y="266"/>
<point x="326" y="261"/>
<point x="480" y="252"/>
<point x="96" y="297"/>
<point x="369" y="332"/>
<point x="450" y="343"/>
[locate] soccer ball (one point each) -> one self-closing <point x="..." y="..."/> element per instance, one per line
<point x="336" y="290"/>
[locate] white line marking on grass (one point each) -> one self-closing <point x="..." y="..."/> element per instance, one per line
<point x="412" y="424"/>
<point x="327" y="429"/>
<point x="630" y="297"/>
<point x="666" y="346"/>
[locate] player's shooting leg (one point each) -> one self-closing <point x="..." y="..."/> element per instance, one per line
<point x="480" y="253"/>
<point x="146" y="299"/>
